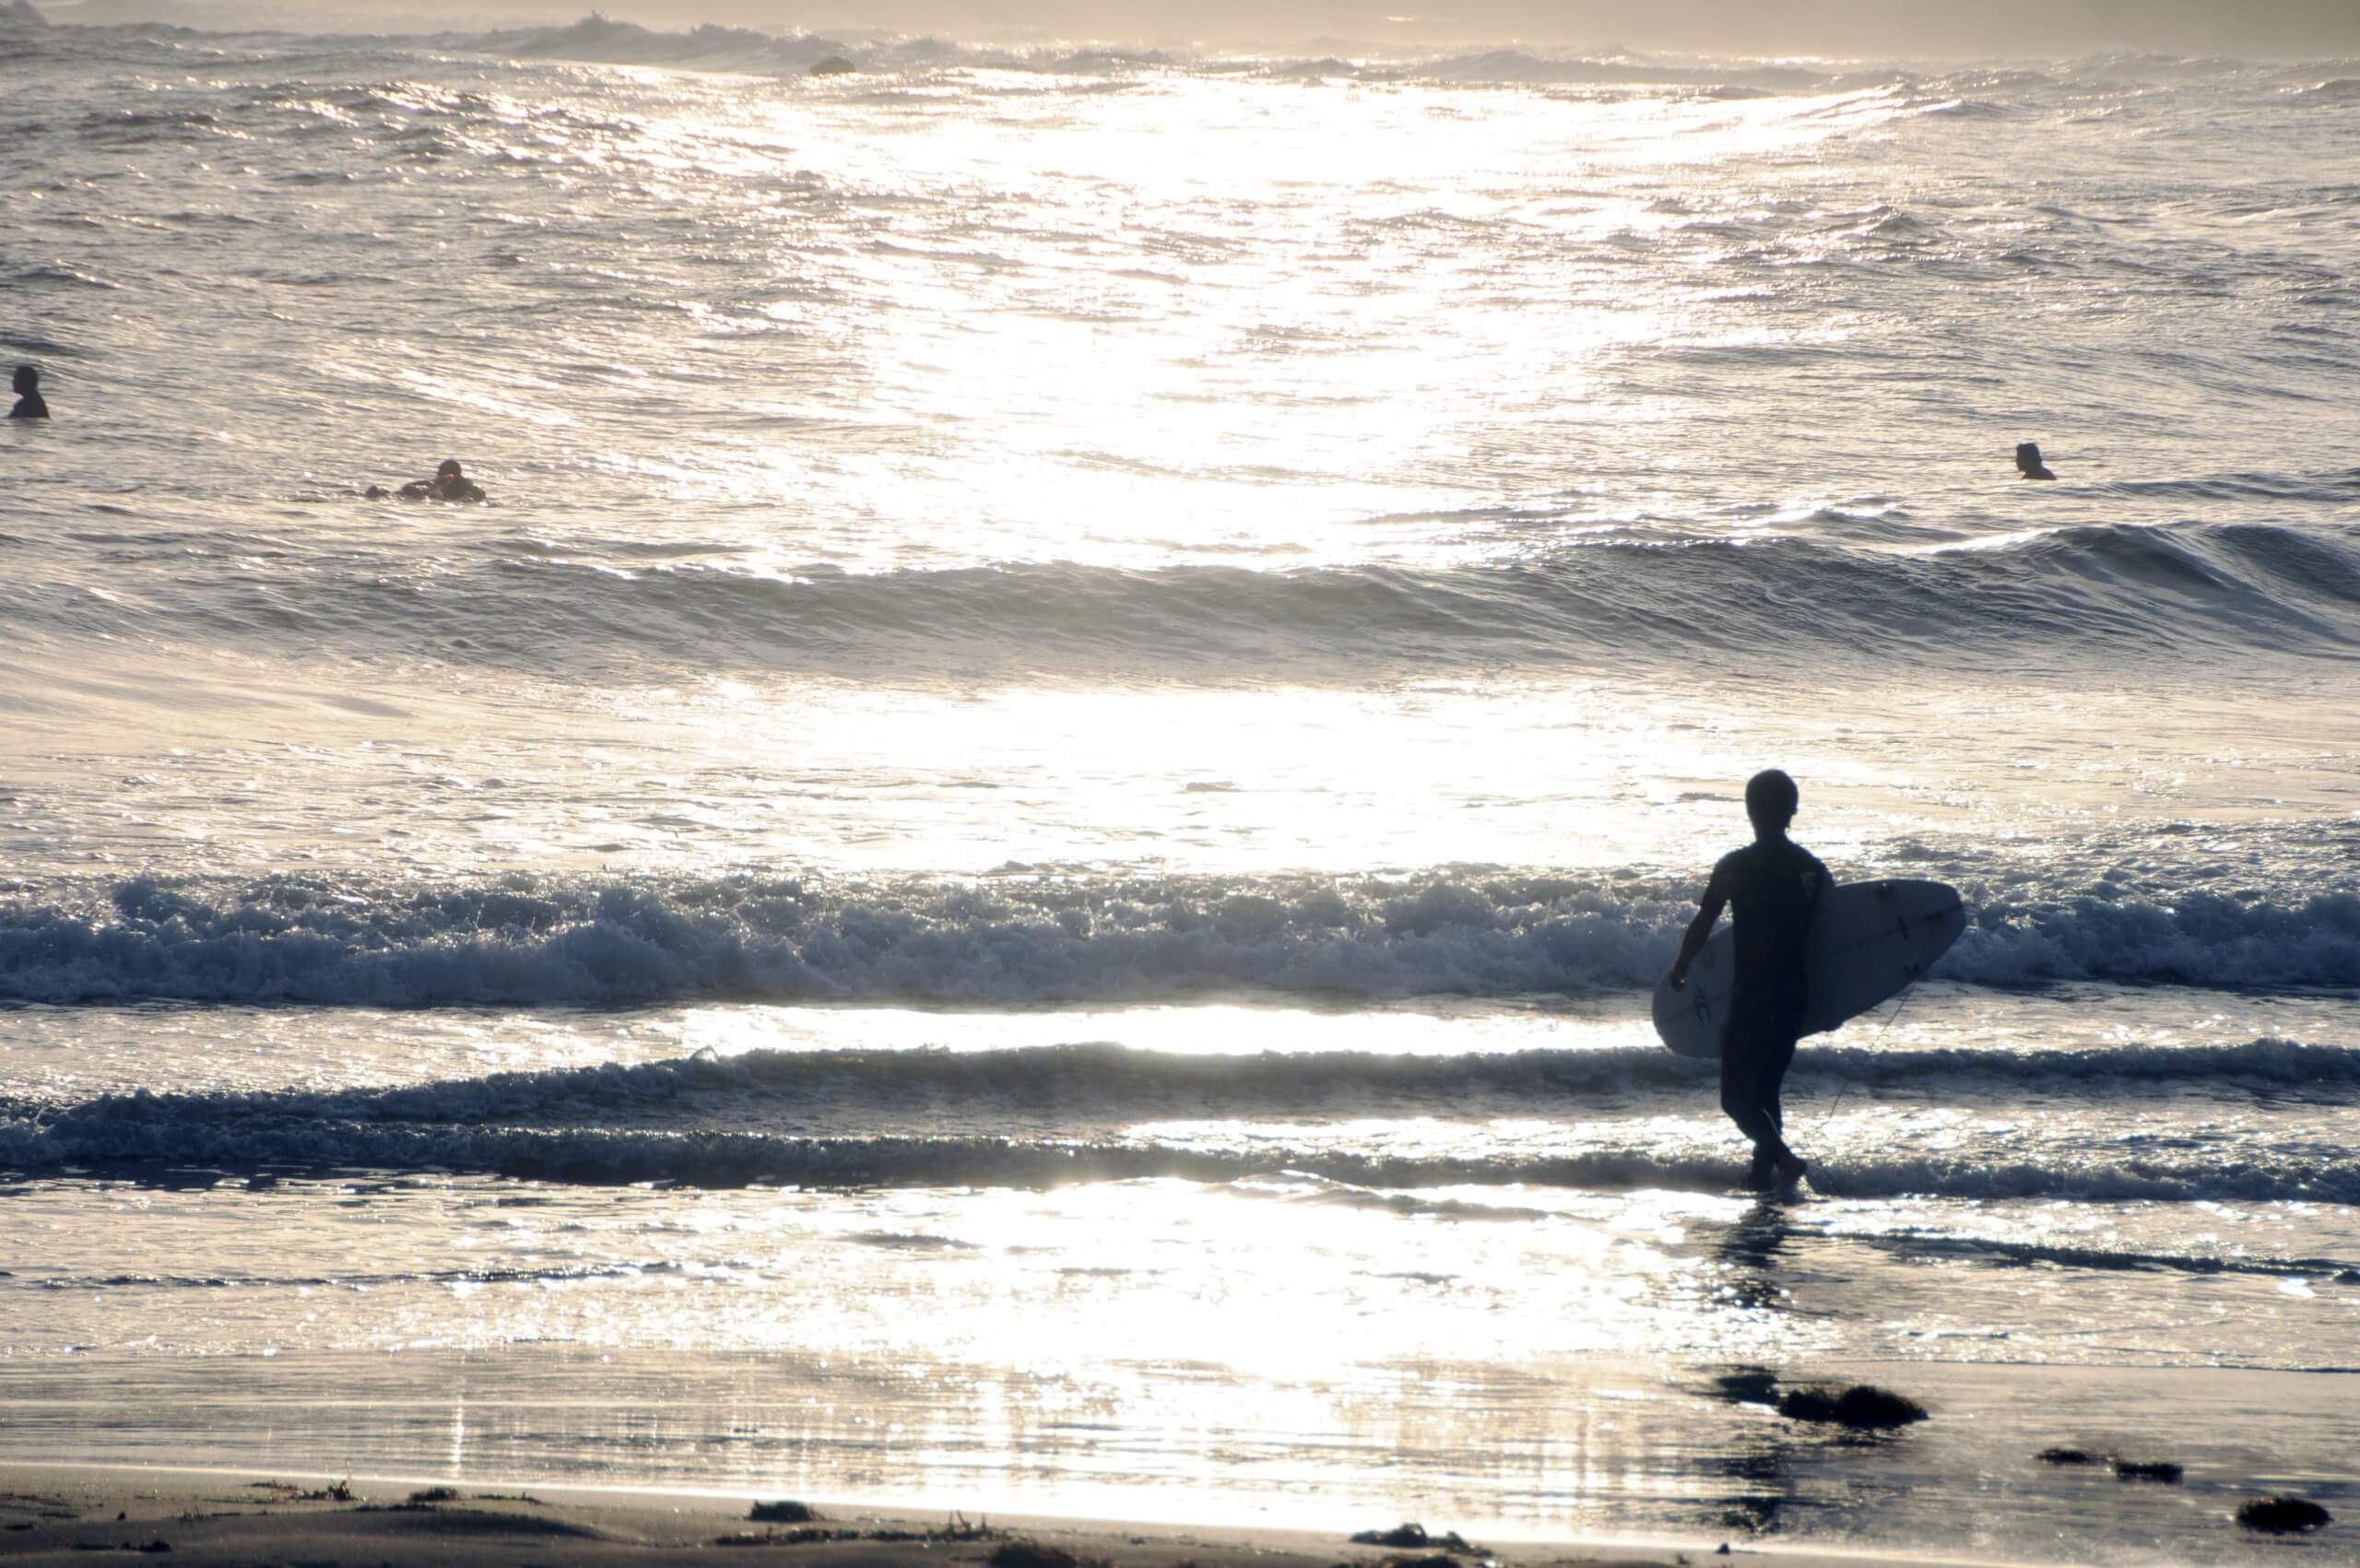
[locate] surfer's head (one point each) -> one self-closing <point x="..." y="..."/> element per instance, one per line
<point x="1770" y="800"/>
<point x="2028" y="461"/>
<point x="28" y="379"/>
<point x="450" y="470"/>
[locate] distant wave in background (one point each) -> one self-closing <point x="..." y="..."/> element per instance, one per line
<point x="720" y="47"/>
<point x="1025" y="941"/>
<point x="715" y="47"/>
<point x="776" y="255"/>
<point x="2012" y="603"/>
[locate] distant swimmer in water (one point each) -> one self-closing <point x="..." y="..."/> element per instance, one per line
<point x="448" y="484"/>
<point x="2028" y="463"/>
<point x="1775" y="885"/>
<point x="29" y="402"/>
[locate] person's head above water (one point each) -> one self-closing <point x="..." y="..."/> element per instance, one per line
<point x="1771" y="799"/>
<point x="450" y="483"/>
<point x="28" y="379"/>
<point x="2028" y="461"/>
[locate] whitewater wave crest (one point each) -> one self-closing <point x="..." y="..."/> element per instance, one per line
<point x="1030" y="939"/>
<point x="665" y="1122"/>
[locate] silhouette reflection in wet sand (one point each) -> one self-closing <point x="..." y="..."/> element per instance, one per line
<point x="1762" y="1458"/>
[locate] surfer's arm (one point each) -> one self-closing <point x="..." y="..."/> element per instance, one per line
<point x="1699" y="929"/>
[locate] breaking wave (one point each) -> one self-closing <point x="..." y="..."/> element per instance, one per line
<point x="1112" y="1080"/>
<point x="1023" y="940"/>
<point x="708" y="1121"/>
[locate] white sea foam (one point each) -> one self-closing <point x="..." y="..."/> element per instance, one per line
<point x="1026" y="941"/>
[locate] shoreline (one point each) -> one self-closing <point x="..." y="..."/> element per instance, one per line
<point x="63" y="1513"/>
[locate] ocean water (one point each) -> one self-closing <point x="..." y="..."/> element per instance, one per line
<point x="1019" y="867"/>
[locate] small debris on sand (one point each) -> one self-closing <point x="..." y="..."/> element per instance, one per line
<point x="956" y="1528"/>
<point x="1414" y="1535"/>
<point x="2283" y="1516"/>
<point x="2162" y="1471"/>
<point x="1863" y="1407"/>
<point x="433" y="1494"/>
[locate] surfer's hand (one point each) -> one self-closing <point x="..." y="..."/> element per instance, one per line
<point x="1678" y="978"/>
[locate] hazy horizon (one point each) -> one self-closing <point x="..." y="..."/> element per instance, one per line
<point x="1995" y="28"/>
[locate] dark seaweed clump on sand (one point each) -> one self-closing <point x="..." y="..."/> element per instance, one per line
<point x="785" y="1511"/>
<point x="2283" y="1516"/>
<point x="1413" y="1535"/>
<point x="1863" y="1407"/>
<point x="2162" y="1471"/>
<point x="1021" y="1553"/>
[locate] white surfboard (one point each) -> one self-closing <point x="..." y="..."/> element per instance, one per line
<point x="1868" y="941"/>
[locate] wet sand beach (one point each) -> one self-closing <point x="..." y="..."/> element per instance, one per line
<point x="68" y="1514"/>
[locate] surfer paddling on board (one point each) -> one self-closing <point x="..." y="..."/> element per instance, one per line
<point x="1775" y="885"/>
<point x="449" y="483"/>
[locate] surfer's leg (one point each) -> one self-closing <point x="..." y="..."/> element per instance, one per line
<point x="1775" y="1060"/>
<point x="1786" y="1167"/>
<point x="1749" y="1091"/>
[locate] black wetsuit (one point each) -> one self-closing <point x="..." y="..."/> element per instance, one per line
<point x="1772" y="889"/>
<point x="431" y="490"/>
<point x="30" y="406"/>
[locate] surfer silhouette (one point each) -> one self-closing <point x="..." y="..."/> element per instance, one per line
<point x="2028" y="463"/>
<point x="31" y="405"/>
<point x="1773" y="888"/>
